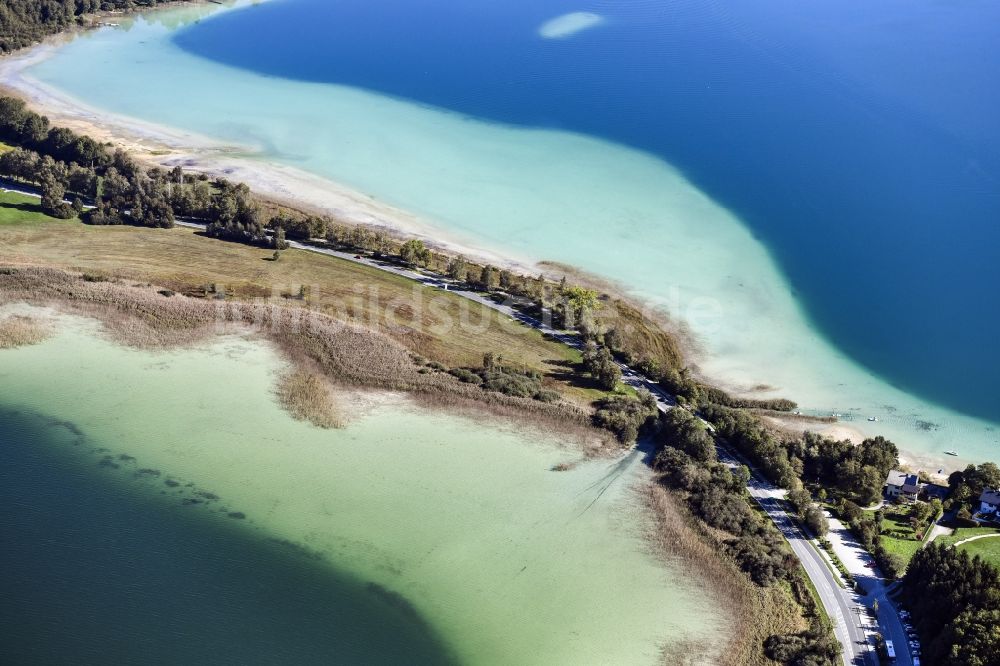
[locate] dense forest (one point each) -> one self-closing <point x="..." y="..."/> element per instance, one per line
<point x="955" y="604"/>
<point x="24" y="22"/>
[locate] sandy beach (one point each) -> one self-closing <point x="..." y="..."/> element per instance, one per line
<point x="165" y="147"/>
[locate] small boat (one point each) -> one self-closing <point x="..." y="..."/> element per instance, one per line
<point x="951" y="453"/>
<point x="873" y="419"/>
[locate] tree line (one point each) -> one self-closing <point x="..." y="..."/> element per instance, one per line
<point x="688" y="463"/>
<point x="850" y="475"/>
<point x="114" y="188"/>
<point x="954" y="602"/>
<point x="24" y="22"/>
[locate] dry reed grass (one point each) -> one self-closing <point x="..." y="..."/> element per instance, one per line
<point x="19" y="331"/>
<point x="344" y="353"/>
<point x="754" y="612"/>
<point x="308" y="396"/>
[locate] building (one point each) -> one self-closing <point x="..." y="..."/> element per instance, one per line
<point x="989" y="501"/>
<point x="902" y="485"/>
<point x="931" y="491"/>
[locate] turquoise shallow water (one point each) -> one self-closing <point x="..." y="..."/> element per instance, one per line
<point x="848" y="137"/>
<point x="164" y="509"/>
<point x="536" y="188"/>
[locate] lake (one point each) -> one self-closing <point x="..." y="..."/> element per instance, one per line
<point x="161" y="508"/>
<point x="812" y="189"/>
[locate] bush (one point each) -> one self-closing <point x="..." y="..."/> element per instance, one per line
<point x="719" y="397"/>
<point x="467" y="376"/>
<point x="517" y="385"/>
<point x="547" y="396"/>
<point x="815" y="647"/>
<point x="625" y="416"/>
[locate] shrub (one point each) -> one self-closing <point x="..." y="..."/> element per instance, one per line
<point x="467" y="376"/>
<point x="546" y="395"/>
<point x="517" y="385"/>
<point x="625" y="416"/>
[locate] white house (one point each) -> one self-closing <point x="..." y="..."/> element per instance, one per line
<point x="902" y="484"/>
<point x="989" y="501"/>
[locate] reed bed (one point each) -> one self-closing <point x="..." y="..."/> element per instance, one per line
<point x="308" y="396"/>
<point x="19" y="331"/>
<point x="754" y="612"/>
<point x="149" y="317"/>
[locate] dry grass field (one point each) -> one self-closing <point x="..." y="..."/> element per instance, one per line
<point x="435" y="324"/>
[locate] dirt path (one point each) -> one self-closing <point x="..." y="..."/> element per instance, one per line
<point x="978" y="536"/>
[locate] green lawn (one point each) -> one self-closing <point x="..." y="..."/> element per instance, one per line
<point x="18" y="209"/>
<point x="898" y="536"/>
<point x="964" y="533"/>
<point x="988" y="549"/>
<point x="4" y="148"/>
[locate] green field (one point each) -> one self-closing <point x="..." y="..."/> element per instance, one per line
<point x="988" y="549"/>
<point x="964" y="533"/>
<point x="18" y="209"/>
<point x="898" y="536"/>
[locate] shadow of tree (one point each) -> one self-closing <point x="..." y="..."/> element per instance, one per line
<point x="572" y="373"/>
<point x="23" y="207"/>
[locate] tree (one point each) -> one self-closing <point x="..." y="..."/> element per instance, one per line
<point x="602" y="367"/>
<point x="800" y="499"/>
<point x="279" y="239"/>
<point x="52" y="199"/>
<point x="506" y="279"/>
<point x="380" y="241"/>
<point x="489" y="279"/>
<point x="683" y="430"/>
<point x="457" y="268"/>
<point x="20" y="164"/>
<point x="817" y="521"/>
<point x="577" y="304"/>
<point x="955" y="604"/>
<point x="414" y="253"/>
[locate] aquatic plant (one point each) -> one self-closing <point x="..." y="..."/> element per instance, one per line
<point x="343" y="353"/>
<point x="19" y="331"/>
<point x="309" y="397"/>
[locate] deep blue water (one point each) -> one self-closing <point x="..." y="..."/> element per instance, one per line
<point x="860" y="141"/>
<point x="98" y="568"/>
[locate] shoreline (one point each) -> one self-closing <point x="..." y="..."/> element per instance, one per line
<point x="140" y="316"/>
<point x="155" y="145"/>
<point x="310" y="455"/>
<point x="287" y="186"/>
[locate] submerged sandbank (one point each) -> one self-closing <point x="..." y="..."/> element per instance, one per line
<point x="567" y="25"/>
<point x="514" y="192"/>
<point x="504" y="558"/>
